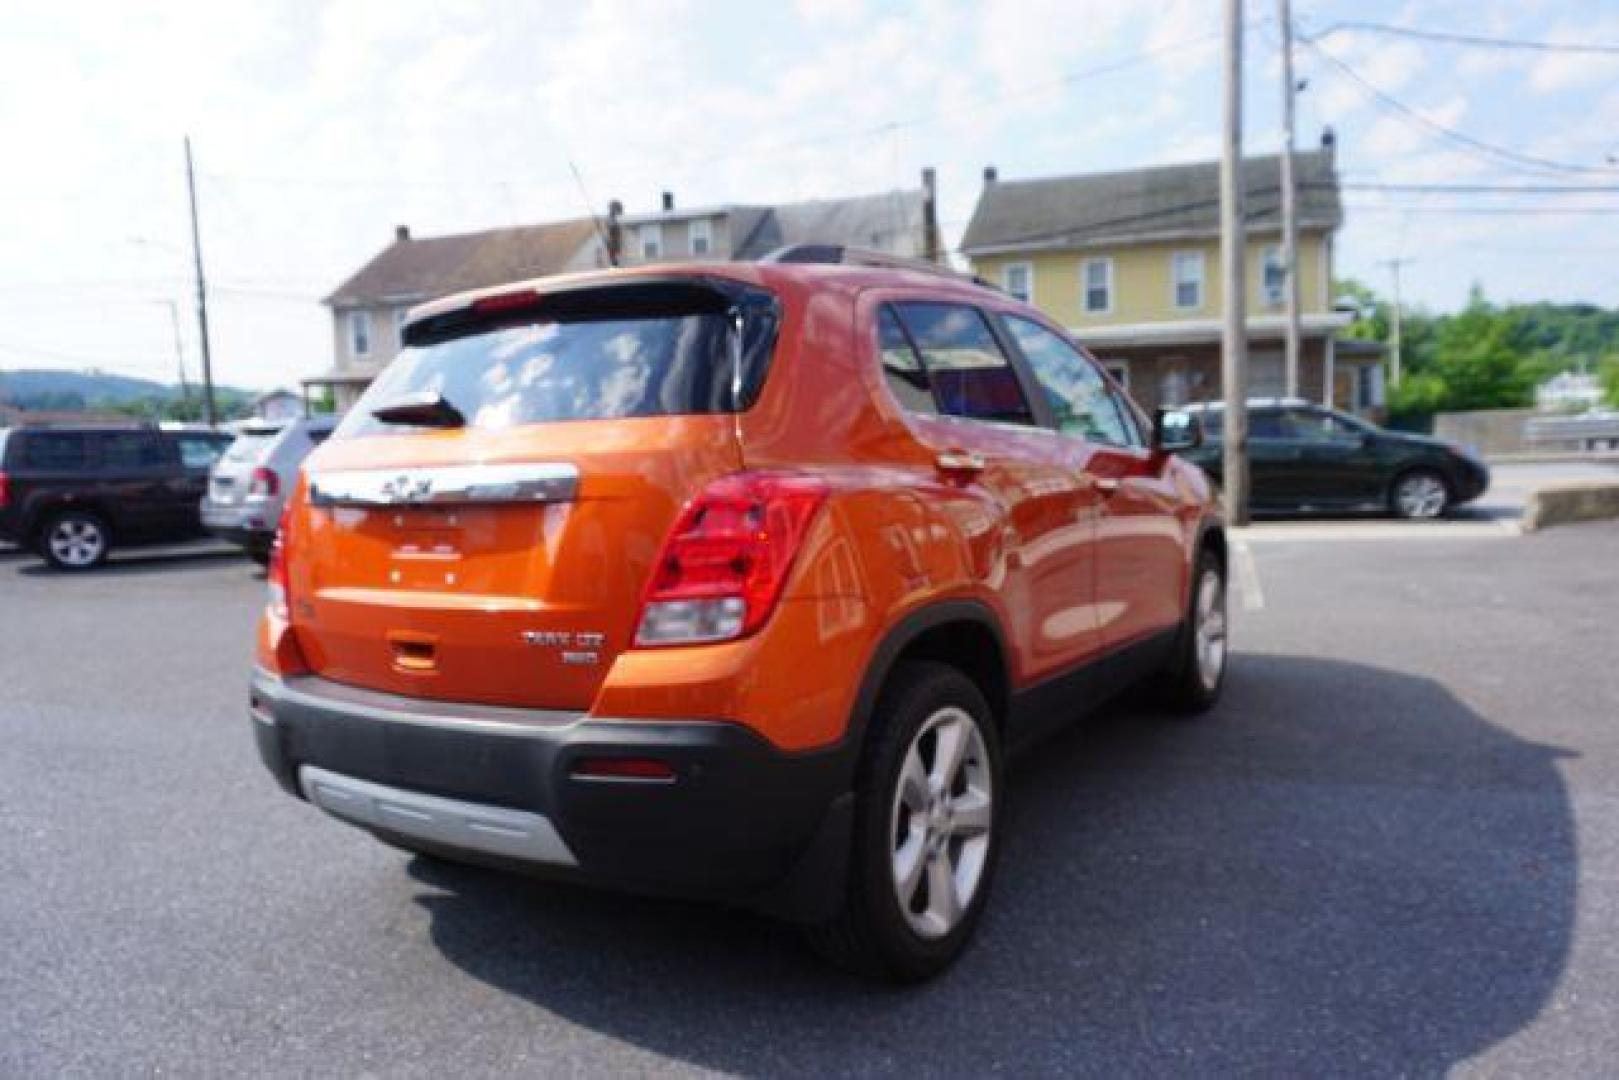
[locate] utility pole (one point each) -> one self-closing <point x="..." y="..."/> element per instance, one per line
<point x="202" y="297"/>
<point x="1394" y="266"/>
<point x="1234" y="352"/>
<point x="179" y="352"/>
<point x="1290" y="208"/>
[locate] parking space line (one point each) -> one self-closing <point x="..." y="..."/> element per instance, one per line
<point x="1247" y="574"/>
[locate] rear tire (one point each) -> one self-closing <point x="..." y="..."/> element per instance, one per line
<point x="74" y="540"/>
<point x="1196" y="674"/>
<point x="926" y="830"/>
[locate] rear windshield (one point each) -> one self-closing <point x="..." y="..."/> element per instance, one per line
<point x="248" y="446"/>
<point x="598" y="361"/>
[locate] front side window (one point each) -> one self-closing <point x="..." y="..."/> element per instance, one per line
<point x="359" y="333"/>
<point x="1272" y="276"/>
<point x="651" y="241"/>
<point x="1079" y="395"/>
<point x="1098" y="277"/>
<point x="970" y="375"/>
<point x="1017" y="280"/>
<point x="702" y="240"/>
<point x="1186" y="268"/>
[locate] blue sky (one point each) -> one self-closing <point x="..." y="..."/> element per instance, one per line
<point x="318" y="127"/>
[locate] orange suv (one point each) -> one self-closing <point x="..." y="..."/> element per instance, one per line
<point x="732" y="581"/>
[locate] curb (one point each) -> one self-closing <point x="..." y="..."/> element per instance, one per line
<point x="1564" y="504"/>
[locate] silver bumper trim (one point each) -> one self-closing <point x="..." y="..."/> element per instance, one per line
<point x="494" y="830"/>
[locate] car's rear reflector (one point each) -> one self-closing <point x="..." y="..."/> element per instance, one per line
<point x="623" y="768"/>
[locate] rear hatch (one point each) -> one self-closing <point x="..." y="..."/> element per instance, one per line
<point x="496" y="551"/>
<point x="229" y="477"/>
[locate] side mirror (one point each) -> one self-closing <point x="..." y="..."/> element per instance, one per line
<point x="1174" y="430"/>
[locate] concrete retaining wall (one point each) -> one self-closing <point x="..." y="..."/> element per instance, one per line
<point x="1563" y="504"/>
<point x="1488" y="431"/>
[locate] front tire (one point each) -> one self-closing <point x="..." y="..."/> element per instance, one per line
<point x="926" y="832"/>
<point x="1419" y="495"/>
<point x="74" y="540"/>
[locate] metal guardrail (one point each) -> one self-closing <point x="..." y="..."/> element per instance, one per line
<point x="1586" y="431"/>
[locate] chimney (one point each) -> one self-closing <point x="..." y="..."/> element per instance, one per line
<point x="401" y="233"/>
<point x="930" y="214"/>
<point x="668" y="201"/>
<point x="615" y="232"/>
<point x="991" y="174"/>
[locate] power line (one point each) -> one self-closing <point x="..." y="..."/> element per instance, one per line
<point x="1480" y="189"/>
<point x="1482" y="211"/>
<point x="1469" y="143"/>
<point x="1451" y="38"/>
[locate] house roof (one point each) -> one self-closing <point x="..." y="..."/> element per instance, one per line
<point x="890" y="221"/>
<point x="1144" y="204"/>
<point x="412" y="269"/>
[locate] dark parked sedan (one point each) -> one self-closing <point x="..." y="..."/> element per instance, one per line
<point x="1305" y="457"/>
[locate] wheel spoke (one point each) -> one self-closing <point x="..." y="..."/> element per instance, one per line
<point x="970" y="813"/>
<point x="944" y="906"/>
<point x="909" y="860"/>
<point x="913" y="782"/>
<point x="949" y="748"/>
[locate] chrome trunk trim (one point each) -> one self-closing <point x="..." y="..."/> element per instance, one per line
<point x="446" y="486"/>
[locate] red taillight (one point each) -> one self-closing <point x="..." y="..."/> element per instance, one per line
<point x="727" y="557"/>
<point x="276" y="578"/>
<point x="5" y="491"/>
<point x="264" y="482"/>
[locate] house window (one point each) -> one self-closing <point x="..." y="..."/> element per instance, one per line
<point x="359" y="333"/>
<point x="1120" y="371"/>
<point x="1272" y="276"/>
<point x="702" y="240"/>
<point x="1017" y="279"/>
<point x="1097" y="275"/>
<point x="651" y="241"/>
<point x="1186" y="270"/>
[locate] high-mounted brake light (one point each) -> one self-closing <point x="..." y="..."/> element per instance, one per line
<point x="264" y="482"/>
<point x="510" y="301"/>
<point x="5" y="490"/>
<point x="727" y="557"/>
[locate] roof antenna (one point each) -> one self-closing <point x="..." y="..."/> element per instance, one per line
<point x="590" y="207"/>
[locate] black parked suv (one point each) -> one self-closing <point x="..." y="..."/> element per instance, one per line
<point x="1305" y="457"/>
<point x="74" y="493"/>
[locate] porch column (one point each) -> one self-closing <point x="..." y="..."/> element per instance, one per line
<point x="1327" y="363"/>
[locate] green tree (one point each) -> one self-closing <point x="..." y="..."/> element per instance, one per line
<point x="1608" y="372"/>
<point x="1474" y="356"/>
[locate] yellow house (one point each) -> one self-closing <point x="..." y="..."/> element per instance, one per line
<point x="1129" y="262"/>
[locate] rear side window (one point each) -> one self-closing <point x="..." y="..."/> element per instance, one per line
<point x="131" y="450"/>
<point x="1267" y="424"/>
<point x="655" y="355"/>
<point x="970" y="375"/>
<point x="55" y="451"/>
<point x="902" y="368"/>
<point x="199" y="451"/>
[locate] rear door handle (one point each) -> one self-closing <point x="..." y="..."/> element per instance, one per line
<point x="960" y="463"/>
<point x="1107" y="485"/>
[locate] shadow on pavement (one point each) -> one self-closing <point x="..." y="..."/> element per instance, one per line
<point x="1344" y="870"/>
<point x="134" y="561"/>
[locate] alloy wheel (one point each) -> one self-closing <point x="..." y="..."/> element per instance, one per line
<point x="1421" y="495"/>
<point x="76" y="542"/>
<point x="940" y="825"/>
<point x="1209" y="628"/>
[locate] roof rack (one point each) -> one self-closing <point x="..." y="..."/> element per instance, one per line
<point x="844" y="255"/>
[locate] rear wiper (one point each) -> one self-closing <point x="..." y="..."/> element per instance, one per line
<point x="425" y="409"/>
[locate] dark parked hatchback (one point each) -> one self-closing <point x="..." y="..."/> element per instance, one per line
<point x="1305" y="457"/>
<point x="73" y="494"/>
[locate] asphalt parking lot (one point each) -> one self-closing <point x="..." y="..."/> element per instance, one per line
<point x="1393" y="849"/>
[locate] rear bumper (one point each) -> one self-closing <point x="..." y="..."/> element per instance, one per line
<point x="741" y="821"/>
<point x="248" y="525"/>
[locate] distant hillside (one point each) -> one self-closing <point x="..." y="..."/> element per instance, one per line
<point x="73" y="391"/>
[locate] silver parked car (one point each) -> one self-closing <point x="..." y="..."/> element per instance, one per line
<point x="248" y="486"/>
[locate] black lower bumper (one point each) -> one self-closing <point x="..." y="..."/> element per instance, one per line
<point x="253" y="541"/>
<point x="740" y="821"/>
